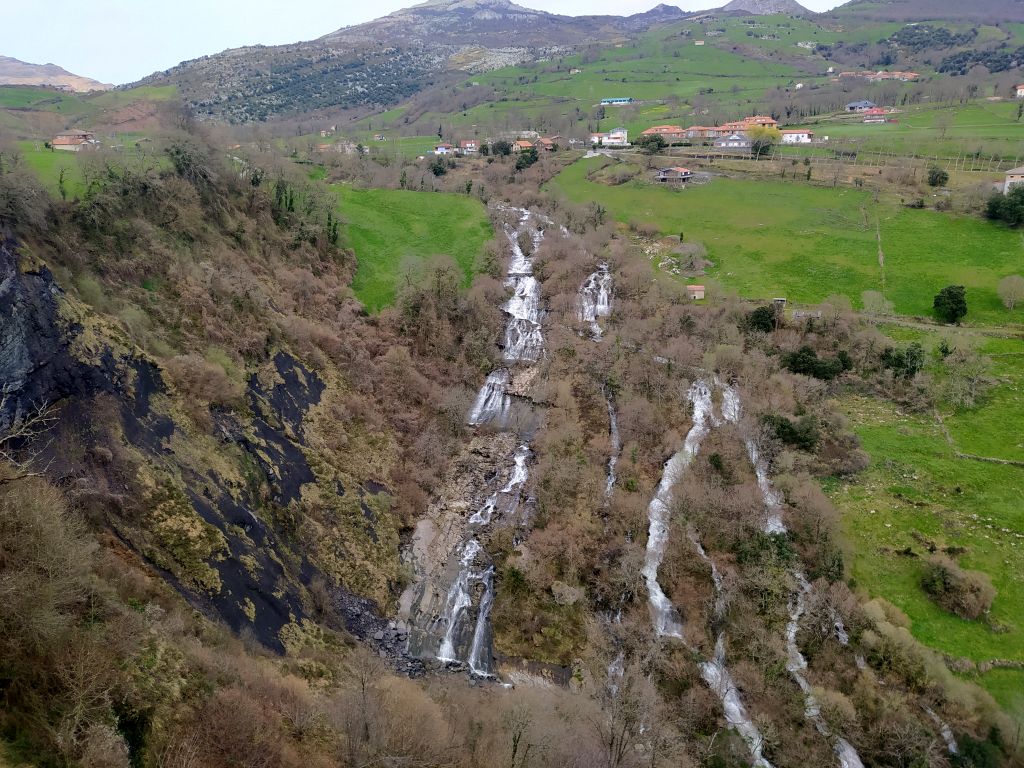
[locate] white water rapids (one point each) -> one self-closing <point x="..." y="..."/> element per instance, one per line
<point x="595" y="299"/>
<point x="664" y="614"/>
<point x="524" y="344"/>
<point x="616" y="446"/>
<point x="796" y="664"/>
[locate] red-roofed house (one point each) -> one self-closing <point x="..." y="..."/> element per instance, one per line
<point x="1019" y="90"/>
<point x="444" y="149"/>
<point x="670" y="133"/>
<point x="469" y="147"/>
<point x="522" y="145"/>
<point x="695" y="292"/>
<point x="74" y="141"/>
<point x="875" y="115"/>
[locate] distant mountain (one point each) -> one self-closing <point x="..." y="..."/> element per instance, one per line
<point x="386" y="60"/>
<point x="497" y="24"/>
<point x="15" y="72"/>
<point x="990" y="11"/>
<point x="765" y="7"/>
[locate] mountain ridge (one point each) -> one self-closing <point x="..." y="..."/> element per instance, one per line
<point x="16" y="72"/>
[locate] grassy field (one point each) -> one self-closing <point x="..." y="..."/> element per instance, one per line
<point x="388" y="228"/>
<point x="776" y="238"/>
<point x="917" y="491"/>
<point x="48" y="164"/>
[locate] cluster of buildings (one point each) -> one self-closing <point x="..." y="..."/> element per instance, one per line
<point x="731" y="135"/>
<point x="471" y="147"/>
<point x="871" y="111"/>
<point x="881" y="75"/>
<point x="619" y="137"/>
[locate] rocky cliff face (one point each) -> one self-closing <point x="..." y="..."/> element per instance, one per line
<point x="213" y="514"/>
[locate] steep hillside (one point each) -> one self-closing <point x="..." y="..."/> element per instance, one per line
<point x="15" y="72"/>
<point x="383" y="61"/>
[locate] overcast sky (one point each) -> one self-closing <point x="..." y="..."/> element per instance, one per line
<point x="119" y="41"/>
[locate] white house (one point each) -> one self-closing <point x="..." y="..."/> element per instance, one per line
<point x="695" y="292"/>
<point x="469" y="147"/>
<point x="797" y="136"/>
<point x="1019" y="89"/>
<point x="733" y="141"/>
<point x="1014" y="178"/>
<point x="616" y="138"/>
<point x="444" y="149"/>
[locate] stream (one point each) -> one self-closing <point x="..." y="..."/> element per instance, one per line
<point x="796" y="664"/>
<point x="460" y="632"/>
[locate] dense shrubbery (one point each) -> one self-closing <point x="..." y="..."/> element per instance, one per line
<point x="802" y="433"/>
<point x="1008" y="209"/>
<point x="905" y="362"/>
<point x="806" y="361"/>
<point x="968" y="594"/>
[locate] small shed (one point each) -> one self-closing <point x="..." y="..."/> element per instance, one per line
<point x="695" y="292"/>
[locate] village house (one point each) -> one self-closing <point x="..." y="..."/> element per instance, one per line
<point x="1014" y="178"/>
<point x="670" y="133"/>
<point x="860" y="106"/>
<point x="616" y="138"/>
<point x="522" y="145"/>
<point x="733" y="141"/>
<point x="444" y="149"/>
<point x="548" y="144"/>
<point x="797" y="136"/>
<point x="1019" y="90"/>
<point x="674" y="175"/>
<point x="468" y="147"/>
<point x="762" y="120"/>
<point x="695" y="292"/>
<point x="74" y="141"/>
<point x="617" y="102"/>
<point x="875" y="115"/>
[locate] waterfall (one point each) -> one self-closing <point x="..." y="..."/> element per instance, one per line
<point x="493" y="401"/>
<point x="594" y="299"/>
<point x="717" y="676"/>
<point x="665" y="616"/>
<point x="459" y="599"/>
<point x="524" y="344"/>
<point x="512" y="489"/>
<point x="480" y="651"/>
<point x="716" y="673"/>
<point x="796" y="664"/>
<point x="616" y="445"/>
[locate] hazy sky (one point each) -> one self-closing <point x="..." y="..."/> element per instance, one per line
<point x="119" y="41"/>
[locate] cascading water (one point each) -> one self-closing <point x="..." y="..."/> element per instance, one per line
<point x="492" y="402"/>
<point x="716" y="673"/>
<point x="595" y="300"/>
<point x="459" y="599"/>
<point x="523" y="338"/>
<point x="479" y="652"/>
<point x="796" y="664"/>
<point x="512" y="489"/>
<point x="616" y="445"/>
<point x="524" y="344"/>
<point x="665" y="616"/>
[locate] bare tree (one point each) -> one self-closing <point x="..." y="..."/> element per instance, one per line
<point x="1011" y="290"/>
<point x="15" y="464"/>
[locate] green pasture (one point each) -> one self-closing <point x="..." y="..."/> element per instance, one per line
<point x="787" y="238"/>
<point x="388" y="229"/>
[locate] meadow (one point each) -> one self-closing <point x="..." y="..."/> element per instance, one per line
<point x="918" y="492"/>
<point x="391" y="229"/>
<point x="805" y="242"/>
